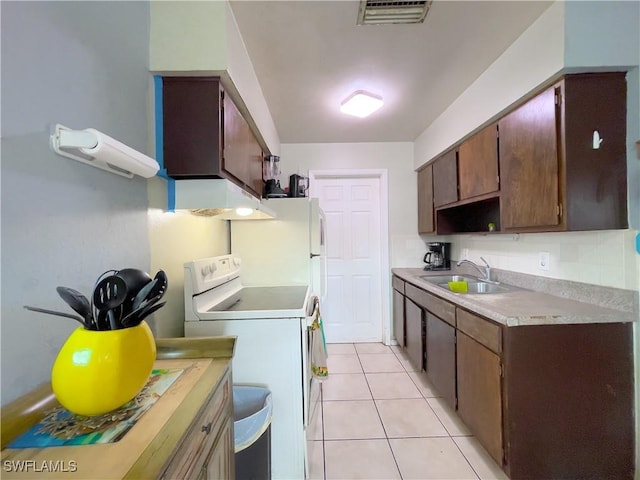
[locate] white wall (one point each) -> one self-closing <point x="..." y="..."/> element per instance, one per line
<point x="203" y="38"/>
<point x="528" y="62"/>
<point x="63" y="222"/>
<point x="406" y="247"/>
<point x="174" y="239"/>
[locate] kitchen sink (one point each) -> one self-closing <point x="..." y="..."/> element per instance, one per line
<point x="481" y="287"/>
<point x="437" y="279"/>
<point x="474" y="285"/>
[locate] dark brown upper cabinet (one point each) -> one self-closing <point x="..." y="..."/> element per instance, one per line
<point x="556" y="175"/>
<point x="426" y="221"/>
<point x="242" y="155"/>
<point x="559" y="163"/>
<point x="478" y="164"/>
<point x="206" y="136"/>
<point x="445" y="179"/>
<point x="529" y="164"/>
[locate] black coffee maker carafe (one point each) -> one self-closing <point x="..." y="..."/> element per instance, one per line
<point x="437" y="256"/>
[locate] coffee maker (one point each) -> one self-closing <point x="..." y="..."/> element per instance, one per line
<point x="298" y="185"/>
<point x="437" y="256"/>
<point x="270" y="174"/>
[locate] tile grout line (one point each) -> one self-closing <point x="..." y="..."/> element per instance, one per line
<point x="384" y="429"/>
<point x="386" y="436"/>
<point x="449" y="435"/>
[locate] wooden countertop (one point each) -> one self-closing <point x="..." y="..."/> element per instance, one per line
<point x="521" y="306"/>
<point x="143" y="451"/>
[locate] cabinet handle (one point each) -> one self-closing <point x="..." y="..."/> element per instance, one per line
<point x="206" y="428"/>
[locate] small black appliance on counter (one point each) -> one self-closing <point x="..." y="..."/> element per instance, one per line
<point x="437" y="256"/>
<point x="298" y="185"/>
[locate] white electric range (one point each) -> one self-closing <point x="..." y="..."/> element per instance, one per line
<point x="272" y="349"/>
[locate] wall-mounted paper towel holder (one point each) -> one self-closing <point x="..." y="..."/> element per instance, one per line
<point x="101" y="151"/>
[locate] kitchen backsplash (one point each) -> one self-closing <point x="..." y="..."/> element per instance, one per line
<point x="605" y="258"/>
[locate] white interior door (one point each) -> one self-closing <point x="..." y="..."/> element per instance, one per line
<point x="353" y="310"/>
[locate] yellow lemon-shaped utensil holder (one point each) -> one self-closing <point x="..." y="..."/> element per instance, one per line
<point x="96" y="372"/>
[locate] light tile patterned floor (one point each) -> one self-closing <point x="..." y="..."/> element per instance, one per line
<point x="380" y="420"/>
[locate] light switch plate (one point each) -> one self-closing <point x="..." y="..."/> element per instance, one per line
<point x="464" y="254"/>
<point x="543" y="260"/>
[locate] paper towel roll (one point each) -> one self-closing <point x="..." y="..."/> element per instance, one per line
<point x="117" y="154"/>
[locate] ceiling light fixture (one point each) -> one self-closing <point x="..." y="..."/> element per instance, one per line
<point x="361" y="104"/>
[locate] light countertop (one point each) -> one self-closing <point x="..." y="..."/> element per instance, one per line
<point x="521" y="306"/>
<point x="144" y="450"/>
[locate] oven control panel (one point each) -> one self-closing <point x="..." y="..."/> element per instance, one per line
<point x="211" y="272"/>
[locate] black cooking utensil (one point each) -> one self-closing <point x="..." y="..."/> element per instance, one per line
<point x="157" y="291"/>
<point x="110" y="293"/>
<point x="160" y="287"/>
<point x="135" y="280"/>
<point x="142" y="314"/>
<point x="59" y="314"/>
<point x="142" y="294"/>
<point x="78" y="302"/>
<point x="102" y="322"/>
<point x="137" y="301"/>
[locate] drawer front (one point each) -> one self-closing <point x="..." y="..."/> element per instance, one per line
<point x="397" y="284"/>
<point x="481" y="330"/>
<point x="198" y="441"/>
<point x="440" y="308"/>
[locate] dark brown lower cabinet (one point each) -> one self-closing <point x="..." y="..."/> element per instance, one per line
<point x="545" y="401"/>
<point x="398" y="310"/>
<point x="413" y="334"/>
<point x="568" y="401"/>
<point x="549" y="401"/>
<point x="480" y="393"/>
<point x="441" y="357"/>
<point x="398" y="317"/>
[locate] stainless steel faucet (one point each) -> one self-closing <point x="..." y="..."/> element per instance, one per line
<point x="484" y="271"/>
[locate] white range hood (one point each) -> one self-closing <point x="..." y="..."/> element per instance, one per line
<point x="219" y="197"/>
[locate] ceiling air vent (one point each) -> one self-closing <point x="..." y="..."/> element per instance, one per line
<point x="379" y="12"/>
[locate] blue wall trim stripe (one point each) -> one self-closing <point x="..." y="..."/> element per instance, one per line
<point x="171" y="184"/>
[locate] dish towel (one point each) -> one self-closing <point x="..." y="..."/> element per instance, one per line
<point x="318" y="345"/>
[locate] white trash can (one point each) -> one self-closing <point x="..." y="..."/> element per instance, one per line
<point x="252" y="410"/>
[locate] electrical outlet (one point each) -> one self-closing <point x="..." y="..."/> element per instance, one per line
<point x="543" y="260"/>
<point x="465" y="254"/>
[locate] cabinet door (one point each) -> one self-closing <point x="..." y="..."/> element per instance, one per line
<point x="242" y="155"/>
<point x="191" y="126"/>
<point x="426" y="222"/>
<point x="398" y="317"/>
<point x="478" y="164"/>
<point x="529" y="164"/>
<point x="441" y="357"/>
<point x="205" y="435"/>
<point x="220" y="464"/>
<point x="413" y="334"/>
<point x="595" y="196"/>
<point x="445" y="179"/>
<point x="479" y="393"/>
